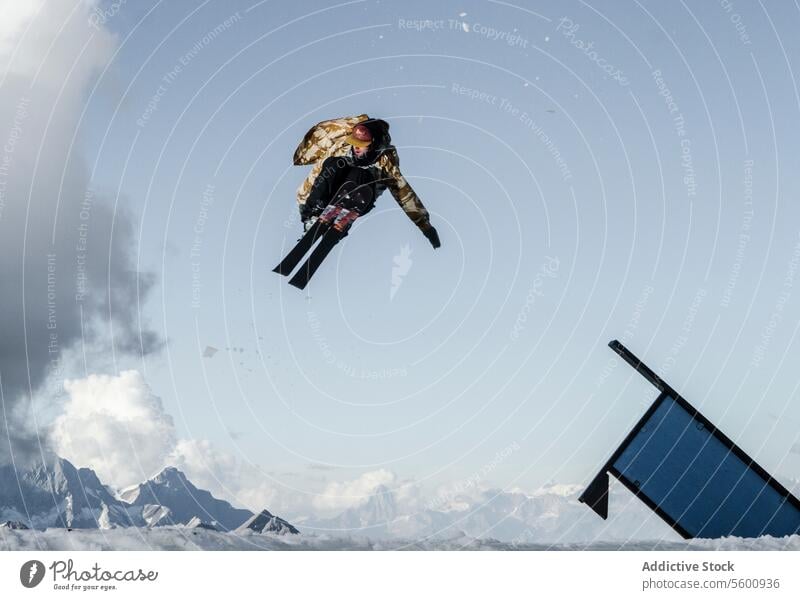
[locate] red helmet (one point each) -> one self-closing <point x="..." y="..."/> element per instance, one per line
<point x="361" y="136"/>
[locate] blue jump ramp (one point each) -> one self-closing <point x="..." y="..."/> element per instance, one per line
<point x="691" y="474"/>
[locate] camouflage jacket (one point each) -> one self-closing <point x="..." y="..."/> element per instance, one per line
<point x="328" y="139"/>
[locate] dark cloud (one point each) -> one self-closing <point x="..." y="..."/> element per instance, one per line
<point x="67" y="260"/>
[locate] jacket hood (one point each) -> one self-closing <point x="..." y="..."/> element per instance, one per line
<point x="379" y="129"/>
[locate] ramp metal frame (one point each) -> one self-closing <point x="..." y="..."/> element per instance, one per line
<point x="596" y="494"/>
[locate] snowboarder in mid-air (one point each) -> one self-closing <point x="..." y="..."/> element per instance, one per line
<point x="354" y="162"/>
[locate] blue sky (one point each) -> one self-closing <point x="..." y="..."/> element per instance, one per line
<point x="573" y="206"/>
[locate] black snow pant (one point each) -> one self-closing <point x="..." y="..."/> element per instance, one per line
<point x="339" y="182"/>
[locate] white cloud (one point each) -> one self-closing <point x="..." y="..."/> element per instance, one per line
<point x="227" y="476"/>
<point x="341" y="495"/>
<point x="51" y="39"/>
<point x="116" y="426"/>
<point x="16" y="16"/>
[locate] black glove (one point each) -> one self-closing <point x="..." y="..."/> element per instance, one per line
<point x="309" y="210"/>
<point x="432" y="235"/>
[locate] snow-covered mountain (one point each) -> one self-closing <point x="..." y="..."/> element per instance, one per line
<point x="551" y="515"/>
<point x="266" y="522"/>
<point x="155" y="515"/>
<point x="172" y="490"/>
<point x="197" y="523"/>
<point x="175" y="539"/>
<point x="56" y="494"/>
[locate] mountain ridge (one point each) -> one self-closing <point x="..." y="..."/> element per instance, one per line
<point x="54" y="493"/>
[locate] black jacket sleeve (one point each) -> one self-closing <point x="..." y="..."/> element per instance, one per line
<point x="325" y="184"/>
